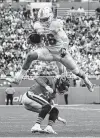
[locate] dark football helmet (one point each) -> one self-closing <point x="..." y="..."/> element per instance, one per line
<point x="62" y="84"/>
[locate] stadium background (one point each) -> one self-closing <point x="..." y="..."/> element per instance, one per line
<point x="79" y="95"/>
<point x="83" y="120"/>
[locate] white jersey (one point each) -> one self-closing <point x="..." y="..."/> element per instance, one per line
<point x="55" y="34"/>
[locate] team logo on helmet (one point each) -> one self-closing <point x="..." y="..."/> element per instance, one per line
<point x="45" y="13"/>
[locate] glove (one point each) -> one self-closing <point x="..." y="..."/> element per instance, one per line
<point x="62" y="120"/>
<point x="63" y="52"/>
<point x="49" y="89"/>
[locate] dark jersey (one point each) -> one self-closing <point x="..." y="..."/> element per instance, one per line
<point x="39" y="84"/>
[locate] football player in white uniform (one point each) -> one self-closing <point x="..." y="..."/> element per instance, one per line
<point x="55" y="47"/>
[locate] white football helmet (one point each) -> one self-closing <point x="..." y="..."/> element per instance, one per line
<point x="45" y="13"/>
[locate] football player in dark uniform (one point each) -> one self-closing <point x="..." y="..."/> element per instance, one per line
<point x="39" y="98"/>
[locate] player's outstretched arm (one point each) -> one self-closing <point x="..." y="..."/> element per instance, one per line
<point x="42" y="82"/>
<point x="62" y="120"/>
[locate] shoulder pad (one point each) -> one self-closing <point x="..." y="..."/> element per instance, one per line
<point x="56" y="25"/>
<point x="37" y="25"/>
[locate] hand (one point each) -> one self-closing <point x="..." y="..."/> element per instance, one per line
<point x="49" y="89"/>
<point x="63" y="52"/>
<point x="64" y="121"/>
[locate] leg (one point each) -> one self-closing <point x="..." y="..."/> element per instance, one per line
<point x="44" y="111"/>
<point x="30" y="104"/>
<point x="30" y="57"/>
<point x="53" y="115"/>
<point x="36" y="104"/>
<point x="69" y="63"/>
<point x="45" y="108"/>
<point x="7" y="97"/>
<point x="11" y="100"/>
<point x="66" y="98"/>
<point x="39" y="54"/>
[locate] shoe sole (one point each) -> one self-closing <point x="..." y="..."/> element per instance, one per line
<point x="49" y="132"/>
<point x="42" y="131"/>
<point x="38" y="131"/>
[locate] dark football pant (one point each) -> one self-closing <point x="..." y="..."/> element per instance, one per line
<point x="9" y="97"/>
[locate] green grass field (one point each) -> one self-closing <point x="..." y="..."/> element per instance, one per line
<point x="82" y="121"/>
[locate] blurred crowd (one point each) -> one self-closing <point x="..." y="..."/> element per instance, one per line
<point x="84" y="36"/>
<point x="16" y="25"/>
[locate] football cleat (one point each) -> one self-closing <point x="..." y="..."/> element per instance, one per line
<point x="49" y="130"/>
<point x="10" y="80"/>
<point x="36" y="128"/>
<point x="13" y="80"/>
<point x="16" y="80"/>
<point x="89" y="85"/>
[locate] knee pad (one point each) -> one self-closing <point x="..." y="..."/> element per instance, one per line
<point x="46" y="107"/>
<point x="53" y="114"/>
<point x="45" y="110"/>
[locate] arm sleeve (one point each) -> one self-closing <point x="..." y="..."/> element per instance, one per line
<point x="42" y="81"/>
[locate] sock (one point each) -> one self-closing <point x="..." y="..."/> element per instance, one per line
<point x="50" y="123"/>
<point x="39" y="120"/>
<point x="43" y="113"/>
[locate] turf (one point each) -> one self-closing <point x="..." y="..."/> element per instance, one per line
<point x="82" y="121"/>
